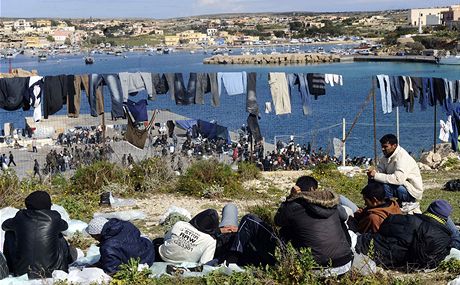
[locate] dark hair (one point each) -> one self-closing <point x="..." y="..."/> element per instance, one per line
<point x="307" y="183"/>
<point x="389" y="138"/>
<point x="374" y="190"/>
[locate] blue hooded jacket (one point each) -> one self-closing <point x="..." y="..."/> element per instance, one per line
<point x="121" y="241"/>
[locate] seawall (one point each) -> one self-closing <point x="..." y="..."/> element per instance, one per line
<point x="286" y="58"/>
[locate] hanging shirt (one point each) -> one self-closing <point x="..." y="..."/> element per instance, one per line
<point x="316" y="84"/>
<point x="12" y="92"/>
<point x="234" y="82"/>
<point x="332" y="79"/>
<point x="135" y="82"/>
<point x="35" y="99"/>
<point x="446" y="129"/>
<point x="280" y="92"/>
<point x="138" y="110"/>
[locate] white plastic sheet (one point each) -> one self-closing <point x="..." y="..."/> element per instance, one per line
<point x="129" y="215"/>
<point x="84" y="276"/>
<point x="5" y="214"/>
<point x="92" y="256"/>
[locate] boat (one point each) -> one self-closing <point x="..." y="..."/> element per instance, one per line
<point x="449" y="60"/>
<point x="42" y="57"/>
<point x="89" y="60"/>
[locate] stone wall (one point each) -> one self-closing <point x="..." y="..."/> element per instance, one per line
<point x="288" y="58"/>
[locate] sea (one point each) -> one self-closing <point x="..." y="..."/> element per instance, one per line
<point x="319" y="128"/>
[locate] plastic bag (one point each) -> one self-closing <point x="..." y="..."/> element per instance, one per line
<point x="174" y="209"/>
<point x="123" y="215"/>
<point x="5" y="214"/>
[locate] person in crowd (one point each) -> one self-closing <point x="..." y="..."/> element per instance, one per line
<point x="34" y="145"/>
<point x="119" y="241"/>
<point x="416" y="241"/>
<point x="34" y="243"/>
<point x="192" y="241"/>
<point x="36" y="168"/>
<point x="377" y="209"/>
<point x="398" y="171"/>
<point x="228" y="228"/>
<point x="310" y="218"/>
<point x="11" y="159"/>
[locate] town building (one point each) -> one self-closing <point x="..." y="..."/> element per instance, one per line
<point x="426" y="16"/>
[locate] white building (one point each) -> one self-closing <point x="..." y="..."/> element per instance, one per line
<point x="426" y="16"/>
<point x="211" y="32"/>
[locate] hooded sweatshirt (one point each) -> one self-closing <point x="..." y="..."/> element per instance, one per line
<point x="191" y="242"/>
<point x="370" y="219"/>
<point x="311" y="220"/>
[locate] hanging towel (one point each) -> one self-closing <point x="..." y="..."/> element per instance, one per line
<point x="138" y="110"/>
<point x="446" y="129"/>
<point x="233" y="82"/>
<point x="268" y="107"/>
<point x="316" y="84"/>
<point x="280" y="92"/>
<point x="251" y="96"/>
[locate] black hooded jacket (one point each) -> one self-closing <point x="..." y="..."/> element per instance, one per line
<point x="34" y="243"/>
<point x="408" y="241"/>
<point x="207" y="222"/>
<point x="311" y="220"/>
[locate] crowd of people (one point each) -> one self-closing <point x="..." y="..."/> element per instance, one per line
<point x="331" y="225"/>
<point x="81" y="135"/>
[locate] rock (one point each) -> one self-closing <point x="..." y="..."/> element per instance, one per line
<point x="423" y="166"/>
<point x="427" y="158"/>
<point x="436" y="157"/>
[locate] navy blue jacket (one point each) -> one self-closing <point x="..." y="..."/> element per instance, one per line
<point x="121" y="241"/>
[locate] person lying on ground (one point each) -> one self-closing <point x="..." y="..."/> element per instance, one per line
<point x="34" y="243"/>
<point x="416" y="241"/>
<point x="119" y="241"/>
<point x="228" y="228"/>
<point x="377" y="209"/>
<point x="192" y="241"/>
<point x="310" y="218"/>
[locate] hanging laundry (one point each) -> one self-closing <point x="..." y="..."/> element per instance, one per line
<point x="170" y="77"/>
<point x="385" y="93"/>
<point x="135" y="136"/>
<point x="180" y="94"/>
<point x="316" y="84"/>
<point x="12" y="92"/>
<point x="34" y="97"/>
<point x="234" y="82"/>
<point x="138" y="110"/>
<point x="397" y="93"/>
<point x="96" y="96"/>
<point x="251" y="95"/>
<point x="71" y="93"/>
<point x="445" y="129"/>
<point x="160" y="84"/>
<point x="214" y="85"/>
<point x="454" y="139"/>
<point x="188" y="97"/>
<point x="131" y="83"/>
<point x="280" y="92"/>
<point x="332" y="79"/>
<point x="81" y="82"/>
<point x="268" y="107"/>
<point x="116" y="94"/>
<point x="55" y="94"/>
<point x="254" y="129"/>
<point x="203" y="86"/>
<point x="300" y="80"/>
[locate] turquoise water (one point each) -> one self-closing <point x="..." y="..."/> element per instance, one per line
<point x="416" y="129"/>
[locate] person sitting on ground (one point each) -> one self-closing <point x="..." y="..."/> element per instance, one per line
<point x="192" y="241"/>
<point x="228" y="228"/>
<point x="34" y="243"/>
<point x="398" y="171"/>
<point x="119" y="241"/>
<point x="416" y="241"/>
<point x="310" y="218"/>
<point x="377" y="209"/>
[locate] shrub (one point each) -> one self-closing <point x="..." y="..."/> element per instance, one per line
<point x="265" y="212"/>
<point x="91" y="178"/>
<point x="151" y="174"/>
<point x="130" y="273"/>
<point x="248" y="171"/>
<point x="79" y="207"/>
<point x="452" y="266"/>
<point x="9" y="186"/>
<point x="200" y="175"/>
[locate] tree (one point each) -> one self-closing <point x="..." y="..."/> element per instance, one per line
<point x="279" y="34"/>
<point x="67" y="41"/>
<point x="50" y="39"/>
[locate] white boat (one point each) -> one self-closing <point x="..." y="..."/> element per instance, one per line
<point x="449" y="60"/>
<point x="42" y="57"/>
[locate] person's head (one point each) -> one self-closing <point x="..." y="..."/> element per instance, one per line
<point x="229" y="222"/>
<point x="373" y="194"/>
<point x="440" y="208"/>
<point x="95" y="227"/>
<point x="389" y="143"/>
<point x="306" y="184"/>
<point x="38" y="200"/>
<point x="207" y="222"/>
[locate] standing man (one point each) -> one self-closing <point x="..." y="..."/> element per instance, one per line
<point x="34" y="145"/>
<point x="11" y="157"/>
<point x="398" y="172"/>
<point x="37" y="169"/>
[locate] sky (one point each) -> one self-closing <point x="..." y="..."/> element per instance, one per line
<point x="161" y="9"/>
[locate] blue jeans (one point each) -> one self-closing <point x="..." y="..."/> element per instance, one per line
<point x="397" y="191"/>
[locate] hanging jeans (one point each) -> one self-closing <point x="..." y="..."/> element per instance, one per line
<point x="215" y="101"/>
<point x="280" y="92"/>
<point x="385" y="92"/>
<point x="251" y="96"/>
<point x="113" y="83"/>
<point x="203" y="86"/>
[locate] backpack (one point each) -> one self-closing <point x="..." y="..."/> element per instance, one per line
<point x="452" y="185"/>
